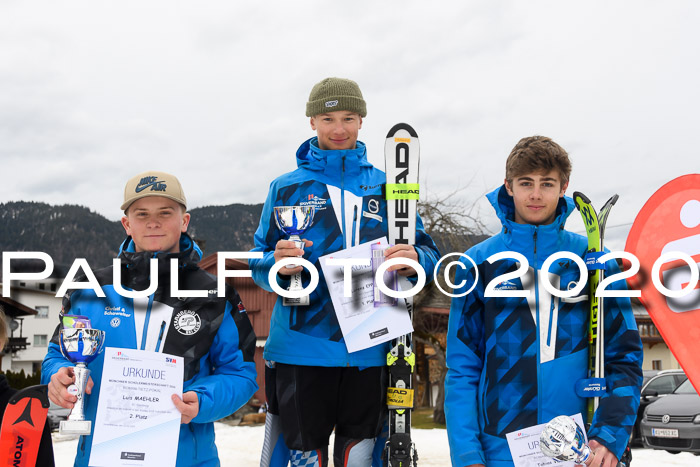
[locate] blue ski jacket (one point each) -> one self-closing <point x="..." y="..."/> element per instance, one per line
<point x="513" y="362"/>
<point x="346" y="191"/>
<point x="217" y="350"/>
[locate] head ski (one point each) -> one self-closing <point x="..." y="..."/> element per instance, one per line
<point x="402" y="153"/>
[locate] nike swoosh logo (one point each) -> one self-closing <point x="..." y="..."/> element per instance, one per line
<point x="139" y="189"/>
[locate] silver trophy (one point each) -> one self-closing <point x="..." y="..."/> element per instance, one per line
<point x="80" y="345"/>
<point x="294" y="220"/>
<point x="563" y="439"/>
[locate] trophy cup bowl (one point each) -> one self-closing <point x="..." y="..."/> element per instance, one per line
<point x="80" y="346"/>
<point x="294" y="220"/>
<point x="563" y="439"/>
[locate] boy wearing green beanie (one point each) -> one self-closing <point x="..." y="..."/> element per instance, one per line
<point x="313" y="384"/>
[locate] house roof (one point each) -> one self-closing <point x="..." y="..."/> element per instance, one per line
<point x="13" y="308"/>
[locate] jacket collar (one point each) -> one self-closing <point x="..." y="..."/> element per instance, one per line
<point x="521" y="235"/>
<point x="332" y="162"/>
<point x="189" y="255"/>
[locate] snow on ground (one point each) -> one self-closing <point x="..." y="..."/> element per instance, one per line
<point x="239" y="446"/>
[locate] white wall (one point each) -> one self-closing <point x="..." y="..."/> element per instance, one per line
<point x="32" y="325"/>
<point x="659" y="352"/>
<point x="6" y="361"/>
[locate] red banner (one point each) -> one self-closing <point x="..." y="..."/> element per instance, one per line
<point x="668" y="224"/>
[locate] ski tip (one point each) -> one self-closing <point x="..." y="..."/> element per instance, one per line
<point x="402" y="126"/>
<point x="39" y="392"/>
<point x="580" y="196"/>
<point x="613" y="199"/>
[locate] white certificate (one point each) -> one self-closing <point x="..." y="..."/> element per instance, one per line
<point x="362" y="324"/>
<point x="137" y="422"/>
<point x="525" y="446"/>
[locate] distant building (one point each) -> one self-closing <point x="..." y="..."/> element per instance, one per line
<point x="36" y="327"/>
<point x="657" y="355"/>
<point x="15" y="314"/>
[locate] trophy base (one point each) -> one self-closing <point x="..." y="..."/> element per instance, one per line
<point x="301" y="301"/>
<point x="75" y="427"/>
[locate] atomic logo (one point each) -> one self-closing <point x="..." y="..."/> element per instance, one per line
<point x="26" y="415"/>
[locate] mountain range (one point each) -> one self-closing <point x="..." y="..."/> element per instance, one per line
<point x="67" y="232"/>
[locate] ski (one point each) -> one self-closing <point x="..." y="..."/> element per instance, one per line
<point x="23" y="425"/>
<point x="401" y="153"/>
<point x="595" y="232"/>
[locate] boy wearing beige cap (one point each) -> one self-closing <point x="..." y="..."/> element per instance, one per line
<point x="313" y="384"/>
<point x="213" y="334"/>
<point x="154" y="212"/>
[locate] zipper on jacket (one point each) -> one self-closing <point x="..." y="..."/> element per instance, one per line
<point x="342" y="201"/>
<point x="342" y="207"/>
<point x="354" y="224"/>
<point x="160" y="336"/>
<point x="551" y="319"/>
<point x="537" y="325"/>
<point x="551" y="306"/>
<point x="144" y="333"/>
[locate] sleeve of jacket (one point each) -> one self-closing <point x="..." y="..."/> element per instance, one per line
<point x="465" y="361"/>
<point x="616" y="414"/>
<point x="54" y="359"/>
<point x="232" y="383"/>
<point x="428" y="254"/>
<point x="266" y="237"/>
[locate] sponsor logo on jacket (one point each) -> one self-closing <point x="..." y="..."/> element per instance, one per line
<point x="116" y="311"/>
<point x="317" y="202"/>
<point x="506" y="285"/>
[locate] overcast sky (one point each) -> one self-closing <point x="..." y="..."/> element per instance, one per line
<point x="94" y="92"/>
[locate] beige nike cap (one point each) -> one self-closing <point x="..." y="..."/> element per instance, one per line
<point x="153" y="183"/>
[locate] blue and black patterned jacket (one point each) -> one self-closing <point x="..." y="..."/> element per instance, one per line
<point x="217" y="350"/>
<point x="350" y="209"/>
<point x="513" y="362"/>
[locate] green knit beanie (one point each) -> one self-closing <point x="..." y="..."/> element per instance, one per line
<point x="333" y="94"/>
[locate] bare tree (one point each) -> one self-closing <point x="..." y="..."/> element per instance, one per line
<point x="455" y="226"/>
<point x="451" y="219"/>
